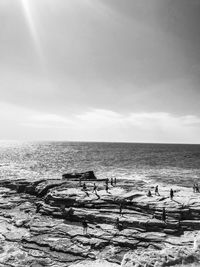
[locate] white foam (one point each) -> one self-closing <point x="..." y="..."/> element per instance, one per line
<point x="97" y="263"/>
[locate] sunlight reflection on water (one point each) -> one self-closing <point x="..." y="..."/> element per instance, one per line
<point x="176" y="164"/>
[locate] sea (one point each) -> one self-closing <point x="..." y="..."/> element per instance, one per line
<point x="165" y="163"/>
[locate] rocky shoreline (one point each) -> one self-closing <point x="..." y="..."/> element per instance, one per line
<point x="41" y="223"/>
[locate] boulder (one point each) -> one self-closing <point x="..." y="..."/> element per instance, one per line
<point x="89" y="175"/>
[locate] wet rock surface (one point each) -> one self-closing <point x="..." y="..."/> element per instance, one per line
<point x="41" y="224"/>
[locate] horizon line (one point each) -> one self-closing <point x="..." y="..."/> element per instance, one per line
<point x="84" y="141"/>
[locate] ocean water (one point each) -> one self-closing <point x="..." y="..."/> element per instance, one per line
<point x="168" y="163"/>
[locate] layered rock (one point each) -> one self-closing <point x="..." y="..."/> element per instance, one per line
<point x="44" y="218"/>
<point x="173" y="256"/>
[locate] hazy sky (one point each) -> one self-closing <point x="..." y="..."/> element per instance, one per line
<point x="100" y="70"/>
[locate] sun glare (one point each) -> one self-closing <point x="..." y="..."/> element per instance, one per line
<point x="30" y="21"/>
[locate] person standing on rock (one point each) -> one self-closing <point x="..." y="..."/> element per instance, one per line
<point x="197" y="188"/>
<point x="111" y="181"/>
<point x="107" y="188"/>
<point x="164" y="215"/>
<point x="95" y="189"/>
<point x="194" y="188"/>
<point x="118" y="224"/>
<point x="156" y="191"/>
<point x="85" y="226"/>
<point x="120" y="209"/>
<point x="84" y="187"/>
<point x="171" y="194"/>
<point x="149" y="193"/>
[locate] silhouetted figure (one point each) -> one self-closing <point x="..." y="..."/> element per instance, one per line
<point x="156" y="191"/>
<point x="111" y="181"/>
<point x="107" y="188"/>
<point x="80" y="182"/>
<point x="95" y="189"/>
<point x="119" y="225"/>
<point x="84" y="187"/>
<point x="197" y="188"/>
<point x="85" y="226"/>
<point x="107" y="180"/>
<point x="194" y="188"/>
<point x="120" y="209"/>
<point x="115" y="180"/>
<point x="70" y="213"/>
<point x="149" y="193"/>
<point x="171" y="193"/>
<point x="163" y="215"/>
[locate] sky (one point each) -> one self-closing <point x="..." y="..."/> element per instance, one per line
<point x="100" y="70"/>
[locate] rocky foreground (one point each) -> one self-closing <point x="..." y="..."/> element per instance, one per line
<point x="41" y="224"/>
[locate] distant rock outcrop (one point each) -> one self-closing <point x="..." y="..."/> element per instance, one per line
<point x="89" y="175"/>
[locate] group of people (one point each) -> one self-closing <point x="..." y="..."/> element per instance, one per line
<point x="68" y="214"/>
<point x="171" y="193"/>
<point x="113" y="182"/>
<point x="149" y="194"/>
<point x="119" y="225"/>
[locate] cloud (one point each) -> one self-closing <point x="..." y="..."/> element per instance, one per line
<point x="50" y="118"/>
<point x="191" y="120"/>
<point x="107" y="125"/>
<point x="101" y="117"/>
